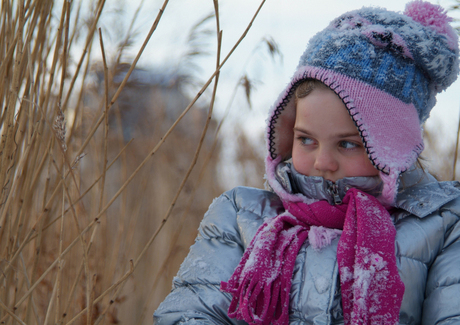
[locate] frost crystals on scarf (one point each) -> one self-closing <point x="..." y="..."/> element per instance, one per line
<point x="372" y="290"/>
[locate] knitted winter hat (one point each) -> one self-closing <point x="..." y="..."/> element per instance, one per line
<point x="387" y="68"/>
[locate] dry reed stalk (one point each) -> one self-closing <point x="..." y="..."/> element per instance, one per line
<point x="55" y="60"/>
<point x="16" y="318"/>
<point x="131" y="227"/>
<point x="273" y="49"/>
<point x="66" y="8"/>
<point x="165" y="218"/>
<point x="44" y="227"/>
<point x="128" y="33"/>
<point x="8" y="201"/>
<point x="20" y="164"/>
<point x="31" y="300"/>
<point x="86" y="50"/>
<point x="89" y="313"/>
<point x="13" y="132"/>
<point x="84" y="247"/>
<point x="216" y="74"/>
<point x="106" y="292"/>
<point x="51" y="267"/>
<point x="51" y="304"/>
<point x="185" y="214"/>
<point x="60" y="128"/>
<point x="59" y="134"/>
<point x="125" y="79"/>
<point x="75" y="30"/>
<point x="121" y="229"/>
<point x="186" y="110"/>
<point x="106" y="118"/>
<point x="219" y="66"/>
<point x="104" y="161"/>
<point x="77" y="278"/>
<point x="80" y="97"/>
<point x="7" y="142"/>
<point x="178" y="229"/>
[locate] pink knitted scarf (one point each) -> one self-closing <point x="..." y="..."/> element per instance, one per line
<point x="372" y="290"/>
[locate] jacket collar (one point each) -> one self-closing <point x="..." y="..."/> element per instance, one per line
<point x="419" y="193"/>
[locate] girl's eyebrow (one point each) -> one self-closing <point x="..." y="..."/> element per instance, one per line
<point x="346" y="135"/>
<point x="300" y="130"/>
<point x="340" y="135"/>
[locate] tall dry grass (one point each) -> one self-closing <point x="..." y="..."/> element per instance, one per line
<point x="99" y="202"/>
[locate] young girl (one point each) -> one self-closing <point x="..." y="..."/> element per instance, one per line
<point x="351" y="231"/>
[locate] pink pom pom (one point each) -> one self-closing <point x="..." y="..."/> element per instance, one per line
<point x="432" y="16"/>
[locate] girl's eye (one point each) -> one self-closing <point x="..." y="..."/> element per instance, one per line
<point x="348" y="145"/>
<point x="306" y="141"/>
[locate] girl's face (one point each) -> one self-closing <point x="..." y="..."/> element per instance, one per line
<point x="326" y="140"/>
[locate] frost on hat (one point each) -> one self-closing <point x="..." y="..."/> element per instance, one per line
<point x="387" y="68"/>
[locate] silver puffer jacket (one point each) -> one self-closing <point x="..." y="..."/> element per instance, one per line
<point x="426" y="216"/>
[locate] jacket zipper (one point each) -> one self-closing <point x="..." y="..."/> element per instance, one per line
<point x="334" y="190"/>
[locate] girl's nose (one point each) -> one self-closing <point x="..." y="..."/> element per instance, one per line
<point x="325" y="161"/>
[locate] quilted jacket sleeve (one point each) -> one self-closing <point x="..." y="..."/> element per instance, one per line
<point x="196" y="297"/>
<point x="442" y="295"/>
